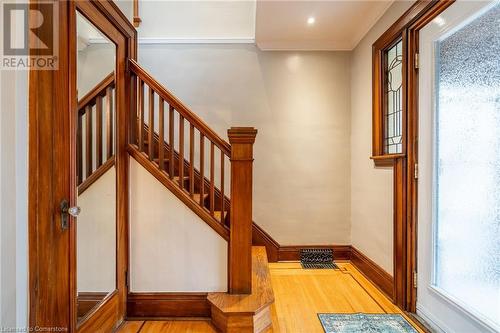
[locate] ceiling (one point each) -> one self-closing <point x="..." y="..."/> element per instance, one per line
<point x="339" y="25"/>
<point x="271" y="24"/>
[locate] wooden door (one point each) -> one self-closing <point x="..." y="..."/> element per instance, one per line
<point x="52" y="173"/>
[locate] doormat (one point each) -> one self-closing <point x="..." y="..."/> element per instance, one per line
<point x="365" y="323"/>
<point x="317" y="259"/>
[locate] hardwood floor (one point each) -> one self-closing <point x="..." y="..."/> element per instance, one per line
<point x="299" y="296"/>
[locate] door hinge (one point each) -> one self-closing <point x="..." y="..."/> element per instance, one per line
<point x="415" y="171"/>
<point x="126" y="279"/>
<point x="414" y="279"/>
<point x="416" y="61"/>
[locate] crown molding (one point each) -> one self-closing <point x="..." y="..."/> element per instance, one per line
<point x="161" y="40"/>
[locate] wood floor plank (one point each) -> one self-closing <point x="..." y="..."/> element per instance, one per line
<point x="300" y="294"/>
<point x="178" y="326"/>
<point x="130" y="327"/>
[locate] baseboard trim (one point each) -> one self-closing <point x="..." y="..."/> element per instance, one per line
<point x="163" y="305"/>
<point x="373" y="272"/>
<point x="292" y="252"/>
<point x="277" y="252"/>
<point x="262" y="238"/>
<point x="376" y="274"/>
<point x="86" y="301"/>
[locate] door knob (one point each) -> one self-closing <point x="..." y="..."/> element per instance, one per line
<point x="66" y="211"/>
<point x="74" y="211"/>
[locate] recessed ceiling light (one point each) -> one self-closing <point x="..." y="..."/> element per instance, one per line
<point x="440" y="21"/>
<point x="311" y="20"/>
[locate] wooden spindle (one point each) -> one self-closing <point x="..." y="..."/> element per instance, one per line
<point x="161" y="135"/>
<point x="89" y="140"/>
<point x="151" y="123"/>
<point x="141" y="115"/>
<point x="191" y="159"/>
<point x="222" y="186"/>
<point x="212" y="178"/>
<point x="98" y="130"/>
<point x="171" y="140"/>
<point x="181" y="151"/>
<point x="133" y="110"/>
<point x="109" y="122"/>
<point x="136" y="19"/>
<point x="79" y="152"/>
<point x="202" y="168"/>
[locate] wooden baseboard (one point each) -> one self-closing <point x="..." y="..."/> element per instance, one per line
<point x="164" y="305"/>
<point x="262" y="238"/>
<point x="276" y="252"/>
<point x="86" y="301"/>
<point x="292" y="252"/>
<point x="376" y="274"/>
<point x="103" y="318"/>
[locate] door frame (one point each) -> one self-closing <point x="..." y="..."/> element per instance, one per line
<point x="405" y="173"/>
<point x="51" y="173"/>
<point x="411" y="186"/>
<point x="413" y="131"/>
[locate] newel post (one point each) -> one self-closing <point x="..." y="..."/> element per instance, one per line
<point x="240" y="239"/>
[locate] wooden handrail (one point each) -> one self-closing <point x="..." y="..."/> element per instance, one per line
<point x="173" y="101"/>
<point x="96" y="103"/>
<point x="98" y="90"/>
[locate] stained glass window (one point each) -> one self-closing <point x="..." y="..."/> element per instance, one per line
<point x="393" y="113"/>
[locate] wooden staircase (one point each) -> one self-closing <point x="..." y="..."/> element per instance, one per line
<point x="214" y="179"/>
<point x="211" y="176"/>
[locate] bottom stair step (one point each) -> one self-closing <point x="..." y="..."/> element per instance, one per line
<point x="246" y="313"/>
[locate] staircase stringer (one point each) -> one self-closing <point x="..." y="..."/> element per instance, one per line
<point x="173" y="187"/>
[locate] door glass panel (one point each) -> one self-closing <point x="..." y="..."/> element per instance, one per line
<point x="467" y="165"/>
<point x="96" y="224"/>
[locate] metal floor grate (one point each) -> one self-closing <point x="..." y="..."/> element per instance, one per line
<point x="317" y="259"/>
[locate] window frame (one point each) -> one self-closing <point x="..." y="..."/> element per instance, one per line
<point x="379" y="97"/>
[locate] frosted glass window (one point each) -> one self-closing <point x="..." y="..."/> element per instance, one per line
<point x="467" y="166"/>
<point x="393" y="117"/>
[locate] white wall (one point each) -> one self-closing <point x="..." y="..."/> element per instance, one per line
<point x="13" y="198"/>
<point x="95" y="62"/>
<point x="299" y="102"/>
<point x="371" y="188"/>
<point x="127" y="8"/>
<point x="96" y="236"/>
<point x="171" y="248"/>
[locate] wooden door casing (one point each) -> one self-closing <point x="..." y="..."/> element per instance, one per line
<point x="52" y="174"/>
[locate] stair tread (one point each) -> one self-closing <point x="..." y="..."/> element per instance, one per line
<point x="218" y="214"/>
<point x="262" y="291"/>
<point x="197" y="196"/>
